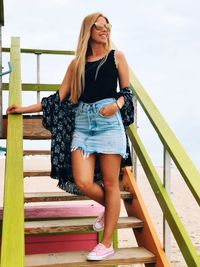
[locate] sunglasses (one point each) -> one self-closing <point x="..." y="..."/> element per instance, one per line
<point x="101" y="27"/>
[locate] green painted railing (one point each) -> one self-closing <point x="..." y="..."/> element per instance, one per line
<point x="180" y="234"/>
<point x="189" y="172"/>
<point x="12" y="248"/>
<point x="183" y="163"/>
<point x="35" y="87"/>
<point x="42" y="51"/>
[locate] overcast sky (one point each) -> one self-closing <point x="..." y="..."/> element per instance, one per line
<point x="161" y="41"/>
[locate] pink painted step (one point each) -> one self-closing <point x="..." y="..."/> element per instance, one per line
<point x="63" y="211"/>
<point x="38" y="244"/>
<point x="41" y="244"/>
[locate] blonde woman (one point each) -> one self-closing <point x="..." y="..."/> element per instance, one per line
<point x="91" y="82"/>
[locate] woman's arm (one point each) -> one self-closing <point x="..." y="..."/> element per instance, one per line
<point x="64" y="90"/>
<point x="29" y="109"/>
<point x="123" y="72"/>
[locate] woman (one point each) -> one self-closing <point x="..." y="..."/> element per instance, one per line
<point x="91" y="81"/>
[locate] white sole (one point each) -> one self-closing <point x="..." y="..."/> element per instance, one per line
<point x="97" y="229"/>
<point x="99" y="258"/>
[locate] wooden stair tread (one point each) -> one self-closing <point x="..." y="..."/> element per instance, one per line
<point x="37" y="173"/>
<point x="74" y="225"/>
<point x="36" y="152"/>
<point x="51" y="196"/>
<point x="61" y="196"/>
<point x="32" y="127"/>
<point x="73" y="259"/>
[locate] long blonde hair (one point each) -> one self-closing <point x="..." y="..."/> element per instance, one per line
<point x="83" y="49"/>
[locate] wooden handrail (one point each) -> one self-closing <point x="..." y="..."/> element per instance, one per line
<point x="184" y="164"/>
<point x="41" y="51"/>
<point x="12" y="247"/>
<point x="35" y="87"/>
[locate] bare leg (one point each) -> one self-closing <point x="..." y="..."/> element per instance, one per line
<point x="83" y="173"/>
<point x="110" y="168"/>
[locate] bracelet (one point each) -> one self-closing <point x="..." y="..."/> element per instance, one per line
<point x="118" y="104"/>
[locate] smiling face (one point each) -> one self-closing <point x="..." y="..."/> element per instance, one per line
<point x="100" y="31"/>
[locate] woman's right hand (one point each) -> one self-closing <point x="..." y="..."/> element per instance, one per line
<point x="14" y="109"/>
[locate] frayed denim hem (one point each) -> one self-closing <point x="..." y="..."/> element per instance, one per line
<point x="87" y="154"/>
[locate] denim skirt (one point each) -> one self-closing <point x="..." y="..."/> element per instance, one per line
<point x="95" y="133"/>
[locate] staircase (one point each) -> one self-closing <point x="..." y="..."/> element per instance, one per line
<point x="81" y="225"/>
<point x="149" y="250"/>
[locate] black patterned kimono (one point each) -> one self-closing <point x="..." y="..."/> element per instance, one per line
<point x="59" y="119"/>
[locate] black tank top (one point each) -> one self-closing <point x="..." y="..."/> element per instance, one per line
<point x="100" y="79"/>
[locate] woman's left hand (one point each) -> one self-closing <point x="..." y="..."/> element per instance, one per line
<point x="109" y="110"/>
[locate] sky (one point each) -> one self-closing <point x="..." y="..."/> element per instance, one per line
<point x="160" y="39"/>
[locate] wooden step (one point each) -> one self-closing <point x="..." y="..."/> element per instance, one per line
<point x="74" y="225"/>
<point x="62" y="211"/>
<point x="32" y="127"/>
<point x="36" y="152"/>
<point x="36" y="173"/>
<point x="122" y="256"/>
<point x="61" y="196"/>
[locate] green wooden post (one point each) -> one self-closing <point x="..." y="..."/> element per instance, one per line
<point x="115" y="238"/>
<point x="1" y="24"/>
<point x="115" y="241"/>
<point x="12" y="249"/>
<point x="1" y="86"/>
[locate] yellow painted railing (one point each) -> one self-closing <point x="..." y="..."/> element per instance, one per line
<point x="12" y="248"/>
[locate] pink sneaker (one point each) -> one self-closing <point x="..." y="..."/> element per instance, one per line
<point x="100" y="252"/>
<point x="98" y="224"/>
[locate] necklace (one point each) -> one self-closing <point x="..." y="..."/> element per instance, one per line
<point x="99" y="63"/>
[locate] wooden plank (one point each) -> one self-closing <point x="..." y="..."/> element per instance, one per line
<point x="13" y="216"/>
<point x="186" y="167"/>
<point x="36" y="152"/>
<point x="43" y="87"/>
<point x="61" y="196"/>
<point x="122" y="256"/>
<point x="74" y="225"/>
<point x="51" y="196"/>
<point x="36" y="173"/>
<point x="60" y="211"/>
<point x="57" y="243"/>
<point x="180" y="234"/>
<point x="147" y="237"/>
<point x="32" y="127"/>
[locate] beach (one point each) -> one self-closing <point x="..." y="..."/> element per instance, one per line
<point x="186" y="206"/>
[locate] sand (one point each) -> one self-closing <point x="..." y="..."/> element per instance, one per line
<point x="186" y="207"/>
